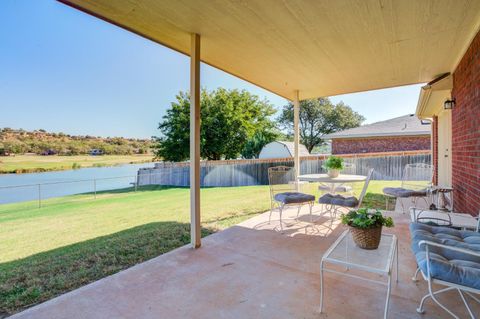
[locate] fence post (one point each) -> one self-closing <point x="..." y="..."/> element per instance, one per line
<point x="39" y="195"/>
<point x="94" y="188"/>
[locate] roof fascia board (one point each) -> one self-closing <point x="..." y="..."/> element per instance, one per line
<point x="426" y="108"/>
<point x="417" y="133"/>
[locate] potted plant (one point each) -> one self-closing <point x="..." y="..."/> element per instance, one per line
<point x="366" y="226"/>
<point x="333" y="165"/>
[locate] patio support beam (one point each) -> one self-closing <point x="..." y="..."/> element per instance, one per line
<point x="296" y="136"/>
<point x="195" y="230"/>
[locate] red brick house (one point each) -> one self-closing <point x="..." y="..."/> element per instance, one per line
<point x="404" y="133"/>
<point x="456" y="128"/>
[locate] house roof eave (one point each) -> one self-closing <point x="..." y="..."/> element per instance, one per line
<point x="419" y="133"/>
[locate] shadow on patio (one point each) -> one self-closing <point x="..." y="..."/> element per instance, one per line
<point x="248" y="271"/>
<point x="27" y="281"/>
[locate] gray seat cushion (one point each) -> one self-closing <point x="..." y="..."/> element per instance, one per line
<point x="338" y="189"/>
<point x="404" y="192"/>
<point x="338" y="200"/>
<point x="293" y="198"/>
<point x="445" y="264"/>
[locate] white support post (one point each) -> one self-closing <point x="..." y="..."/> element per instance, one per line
<point x="296" y="136"/>
<point x="195" y="230"/>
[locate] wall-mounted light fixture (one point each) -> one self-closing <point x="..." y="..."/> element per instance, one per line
<point x="449" y="104"/>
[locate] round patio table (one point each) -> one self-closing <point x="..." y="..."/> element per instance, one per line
<point x="332" y="181"/>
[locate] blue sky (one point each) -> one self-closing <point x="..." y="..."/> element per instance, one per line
<point x="65" y="71"/>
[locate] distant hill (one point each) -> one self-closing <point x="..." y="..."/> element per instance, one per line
<point x="41" y="142"/>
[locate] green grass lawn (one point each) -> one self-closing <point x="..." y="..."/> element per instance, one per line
<point x="38" y="163"/>
<point x="74" y="240"/>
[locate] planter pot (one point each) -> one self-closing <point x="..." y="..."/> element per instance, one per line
<point x="367" y="238"/>
<point x="333" y="173"/>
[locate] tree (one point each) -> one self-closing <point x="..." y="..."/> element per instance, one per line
<point x="229" y="118"/>
<point x="319" y="117"/>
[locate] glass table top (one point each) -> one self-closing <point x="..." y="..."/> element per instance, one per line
<point x="345" y="252"/>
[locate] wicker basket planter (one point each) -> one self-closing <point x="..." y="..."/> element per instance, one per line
<point x="367" y="238"/>
<point x="366" y="226"/>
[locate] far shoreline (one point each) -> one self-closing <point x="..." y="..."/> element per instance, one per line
<point x="26" y="163"/>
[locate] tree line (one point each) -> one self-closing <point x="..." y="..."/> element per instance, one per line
<point x="41" y="142"/>
<point x="234" y="124"/>
<point x="238" y="124"/>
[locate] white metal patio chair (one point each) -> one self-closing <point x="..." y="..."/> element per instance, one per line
<point x="283" y="192"/>
<point x="336" y="200"/>
<point x="452" y="263"/>
<point x="347" y="188"/>
<point x="416" y="180"/>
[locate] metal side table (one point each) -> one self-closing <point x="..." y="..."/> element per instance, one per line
<point x="345" y="253"/>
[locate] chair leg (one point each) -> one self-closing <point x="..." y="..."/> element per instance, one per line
<point x="414" y="278"/>
<point x="281" y="224"/>
<point x="466" y="304"/>
<point x="298" y="211"/>
<point x="329" y="209"/>
<point x="432" y="294"/>
<point x="473" y="297"/>
<point x="270" y="216"/>
<point x="333" y="211"/>
<point x="401" y="204"/>
<point x="311" y="217"/>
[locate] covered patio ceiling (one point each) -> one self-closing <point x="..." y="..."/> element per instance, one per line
<point x="320" y="48"/>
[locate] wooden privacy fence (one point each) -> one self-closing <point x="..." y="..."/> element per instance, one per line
<point x="388" y="166"/>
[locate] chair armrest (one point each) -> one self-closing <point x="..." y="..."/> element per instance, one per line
<point x="460" y="250"/>
<point x="438" y="218"/>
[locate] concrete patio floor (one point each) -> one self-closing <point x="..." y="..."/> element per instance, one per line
<point x="251" y="270"/>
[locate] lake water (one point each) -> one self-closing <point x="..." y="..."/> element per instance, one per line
<point x="61" y="183"/>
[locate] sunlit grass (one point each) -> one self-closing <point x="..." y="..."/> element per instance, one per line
<point x="74" y="240"/>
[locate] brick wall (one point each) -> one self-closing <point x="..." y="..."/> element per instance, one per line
<point x="435" y="149"/>
<point x="466" y="131"/>
<point x="380" y="144"/>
